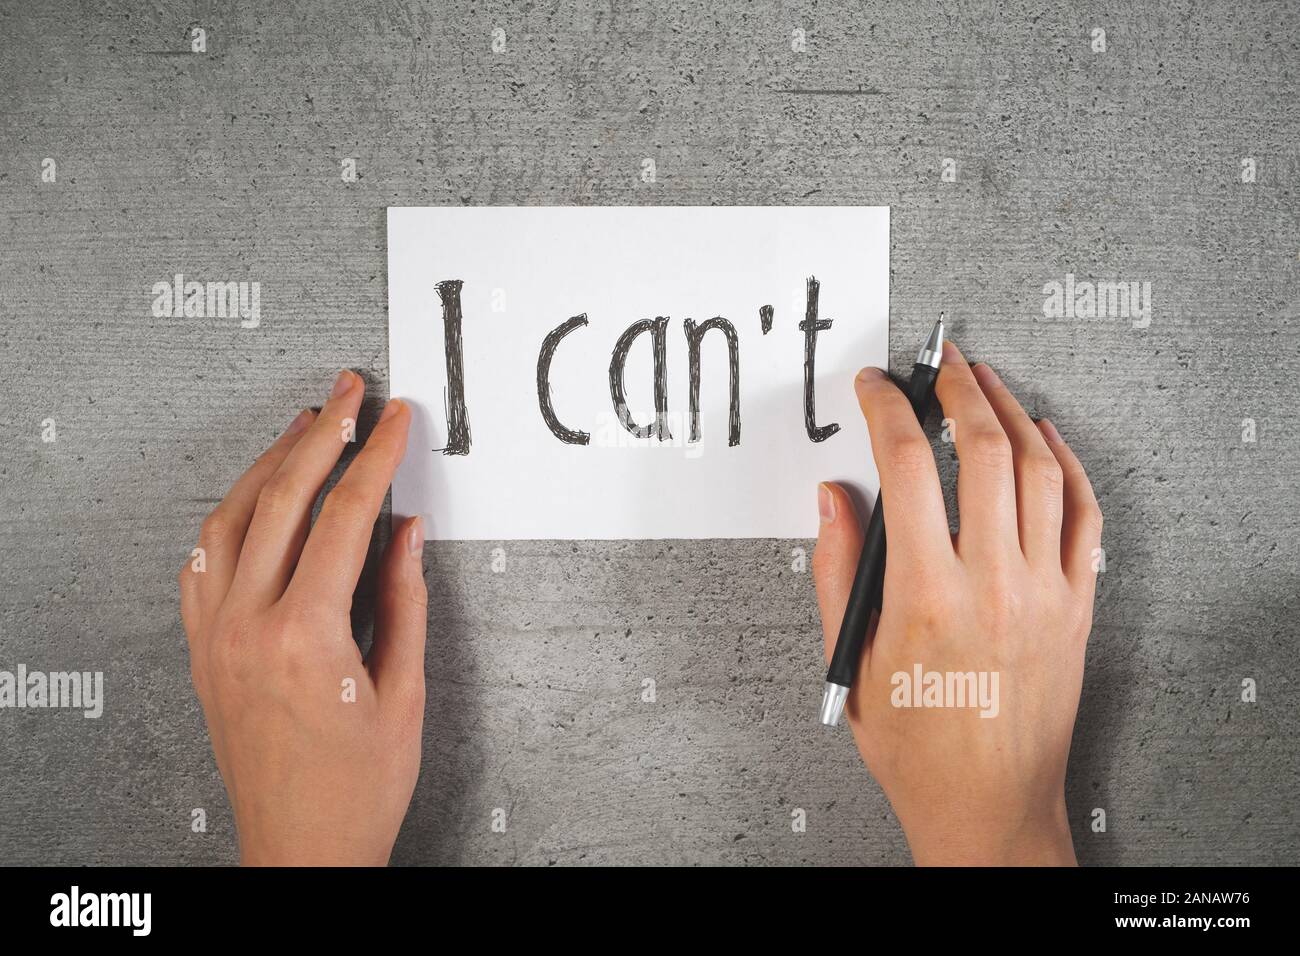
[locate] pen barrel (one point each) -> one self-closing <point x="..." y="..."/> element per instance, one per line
<point x="868" y="580"/>
<point x="857" y="613"/>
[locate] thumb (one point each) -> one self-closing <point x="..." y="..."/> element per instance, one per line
<point x="835" y="561"/>
<point x="396" y="658"/>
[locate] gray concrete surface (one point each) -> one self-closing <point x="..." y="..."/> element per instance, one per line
<point x="1124" y="164"/>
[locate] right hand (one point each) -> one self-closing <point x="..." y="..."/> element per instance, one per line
<point x="1010" y="594"/>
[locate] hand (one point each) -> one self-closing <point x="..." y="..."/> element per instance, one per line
<point x="1010" y="595"/>
<point x="319" y="749"/>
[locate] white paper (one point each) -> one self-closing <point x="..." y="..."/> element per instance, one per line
<point x="526" y="270"/>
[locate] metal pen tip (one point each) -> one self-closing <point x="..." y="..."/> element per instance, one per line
<point x="834" y="697"/>
<point x="931" y="353"/>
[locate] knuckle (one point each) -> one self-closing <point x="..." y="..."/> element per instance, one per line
<point x="1046" y="471"/>
<point x="1003" y="606"/>
<point x="308" y="611"/>
<point x="216" y="528"/>
<point x="289" y="655"/>
<point x="404" y="592"/>
<point x="988" y="448"/>
<point x="278" y="494"/>
<point x="228" y="653"/>
<point x="416" y="594"/>
<point x="908" y="455"/>
<point x="346" y="498"/>
<point x="997" y="572"/>
<point x="264" y="464"/>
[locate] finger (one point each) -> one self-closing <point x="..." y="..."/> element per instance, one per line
<point x="284" y="504"/>
<point x="915" y="520"/>
<point x="986" y="493"/>
<point x="396" y="659"/>
<point x="207" y="575"/>
<point x="335" y="551"/>
<point x="835" y="559"/>
<point x="1081" y="521"/>
<point x="1038" y="474"/>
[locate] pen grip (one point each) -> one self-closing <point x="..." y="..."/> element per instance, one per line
<point x="920" y="390"/>
<point x="868" y="581"/>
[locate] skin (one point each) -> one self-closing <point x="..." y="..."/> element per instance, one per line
<point x="313" y="776"/>
<point x="318" y="775"/>
<point x="1011" y="593"/>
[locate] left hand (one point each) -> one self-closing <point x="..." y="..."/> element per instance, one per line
<point x="318" y="748"/>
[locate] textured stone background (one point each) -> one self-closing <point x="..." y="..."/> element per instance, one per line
<point x="225" y="165"/>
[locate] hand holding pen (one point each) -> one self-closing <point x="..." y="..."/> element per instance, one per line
<point x="865" y="595"/>
<point x="997" y="614"/>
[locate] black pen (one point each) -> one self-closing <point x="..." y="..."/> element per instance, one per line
<point x="868" y="582"/>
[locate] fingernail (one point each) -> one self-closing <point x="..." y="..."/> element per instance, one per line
<point x="415" y="537"/>
<point x="950" y="351"/>
<point x="986" y="373"/>
<point x="825" y="503"/>
<point x="1050" y="430"/>
<point x="343" y="384"/>
<point x="869" y="373"/>
<point x="391" y="409"/>
<point x="300" y="423"/>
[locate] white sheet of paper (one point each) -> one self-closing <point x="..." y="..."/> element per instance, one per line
<point x="526" y="270"/>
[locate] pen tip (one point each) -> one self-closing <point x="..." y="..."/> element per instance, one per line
<point x="932" y="351"/>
